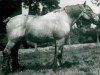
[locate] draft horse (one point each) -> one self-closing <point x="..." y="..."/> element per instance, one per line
<point x="53" y="26"/>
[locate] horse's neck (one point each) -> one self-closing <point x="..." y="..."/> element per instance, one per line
<point x="73" y="12"/>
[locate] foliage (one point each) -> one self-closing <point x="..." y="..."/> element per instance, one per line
<point x="84" y="33"/>
<point x="96" y="2"/>
<point x="47" y="6"/>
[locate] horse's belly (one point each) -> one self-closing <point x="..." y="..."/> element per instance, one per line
<point x="39" y="38"/>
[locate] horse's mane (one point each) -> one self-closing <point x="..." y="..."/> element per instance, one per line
<point x="73" y="10"/>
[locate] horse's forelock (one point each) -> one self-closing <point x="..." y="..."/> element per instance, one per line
<point x="86" y="6"/>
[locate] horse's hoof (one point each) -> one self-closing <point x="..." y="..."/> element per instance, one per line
<point x="55" y="67"/>
<point x="20" y="68"/>
<point x="3" y="72"/>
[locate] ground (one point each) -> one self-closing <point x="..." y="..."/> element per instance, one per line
<point x="77" y="60"/>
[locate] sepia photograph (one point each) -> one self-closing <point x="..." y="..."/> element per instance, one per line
<point x="49" y="37"/>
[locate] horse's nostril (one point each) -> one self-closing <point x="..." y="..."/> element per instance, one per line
<point x="96" y="18"/>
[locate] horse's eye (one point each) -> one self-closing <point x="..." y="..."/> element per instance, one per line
<point x="89" y="9"/>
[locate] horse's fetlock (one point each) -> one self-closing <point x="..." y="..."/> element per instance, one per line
<point x="5" y="53"/>
<point x="59" y="56"/>
<point x="5" y="69"/>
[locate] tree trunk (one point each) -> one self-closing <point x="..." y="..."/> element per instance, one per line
<point x="97" y="36"/>
<point x="25" y="9"/>
<point x="30" y="7"/>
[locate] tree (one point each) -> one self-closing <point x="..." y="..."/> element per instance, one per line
<point x="86" y="33"/>
<point x="96" y="2"/>
<point x="47" y="6"/>
<point x="97" y="36"/>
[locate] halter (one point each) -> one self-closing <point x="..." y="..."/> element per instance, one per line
<point x="77" y="18"/>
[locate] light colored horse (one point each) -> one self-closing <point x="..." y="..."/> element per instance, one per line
<point x="53" y="26"/>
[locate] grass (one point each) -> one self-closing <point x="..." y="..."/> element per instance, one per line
<point x="76" y="61"/>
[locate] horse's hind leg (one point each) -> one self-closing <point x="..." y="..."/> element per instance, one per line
<point x="8" y="51"/>
<point x="6" y="56"/>
<point x="14" y="56"/>
<point x="25" y="45"/>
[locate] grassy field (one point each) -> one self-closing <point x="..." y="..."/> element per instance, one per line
<point x="77" y="60"/>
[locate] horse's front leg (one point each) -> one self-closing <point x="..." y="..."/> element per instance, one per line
<point x="60" y="44"/>
<point x="6" y="57"/>
<point x="58" y="52"/>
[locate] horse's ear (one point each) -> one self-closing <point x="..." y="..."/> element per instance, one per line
<point x="84" y="4"/>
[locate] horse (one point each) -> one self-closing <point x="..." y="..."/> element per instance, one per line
<point x="52" y="27"/>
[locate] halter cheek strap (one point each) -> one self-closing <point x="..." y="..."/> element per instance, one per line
<point x="77" y="18"/>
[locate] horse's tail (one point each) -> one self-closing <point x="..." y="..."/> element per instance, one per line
<point x="7" y="19"/>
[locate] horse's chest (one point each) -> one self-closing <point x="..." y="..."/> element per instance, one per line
<point x="61" y="30"/>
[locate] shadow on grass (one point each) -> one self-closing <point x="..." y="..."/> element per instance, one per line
<point x="49" y="65"/>
<point x="67" y="64"/>
<point x="37" y="66"/>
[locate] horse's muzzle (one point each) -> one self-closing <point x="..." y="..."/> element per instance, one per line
<point x="96" y="18"/>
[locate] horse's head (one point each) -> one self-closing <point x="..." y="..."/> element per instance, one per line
<point x="88" y="14"/>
